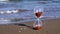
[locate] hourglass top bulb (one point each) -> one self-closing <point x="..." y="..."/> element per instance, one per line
<point x="38" y="12"/>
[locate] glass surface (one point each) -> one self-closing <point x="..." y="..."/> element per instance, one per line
<point x="38" y="11"/>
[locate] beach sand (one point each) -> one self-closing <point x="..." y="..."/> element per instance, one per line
<point x="49" y="27"/>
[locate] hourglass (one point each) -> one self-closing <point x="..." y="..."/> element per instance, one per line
<point x="38" y="23"/>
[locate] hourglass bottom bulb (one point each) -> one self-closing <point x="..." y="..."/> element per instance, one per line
<point x="38" y="27"/>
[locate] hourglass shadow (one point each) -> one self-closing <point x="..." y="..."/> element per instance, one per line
<point x="31" y="27"/>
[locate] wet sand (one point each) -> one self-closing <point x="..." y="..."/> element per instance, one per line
<point x="49" y="27"/>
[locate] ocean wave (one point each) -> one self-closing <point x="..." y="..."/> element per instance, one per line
<point x="26" y="13"/>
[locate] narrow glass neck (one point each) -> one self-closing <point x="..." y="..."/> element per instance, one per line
<point x="38" y="19"/>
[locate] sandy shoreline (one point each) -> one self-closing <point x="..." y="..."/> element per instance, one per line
<point x="49" y="27"/>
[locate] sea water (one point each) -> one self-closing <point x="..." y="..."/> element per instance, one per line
<point x="51" y="11"/>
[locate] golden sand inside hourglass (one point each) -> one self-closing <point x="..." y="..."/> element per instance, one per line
<point x="38" y="28"/>
<point x="38" y="14"/>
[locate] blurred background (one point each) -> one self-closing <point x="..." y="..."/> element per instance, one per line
<point x="29" y="0"/>
<point x="26" y="7"/>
